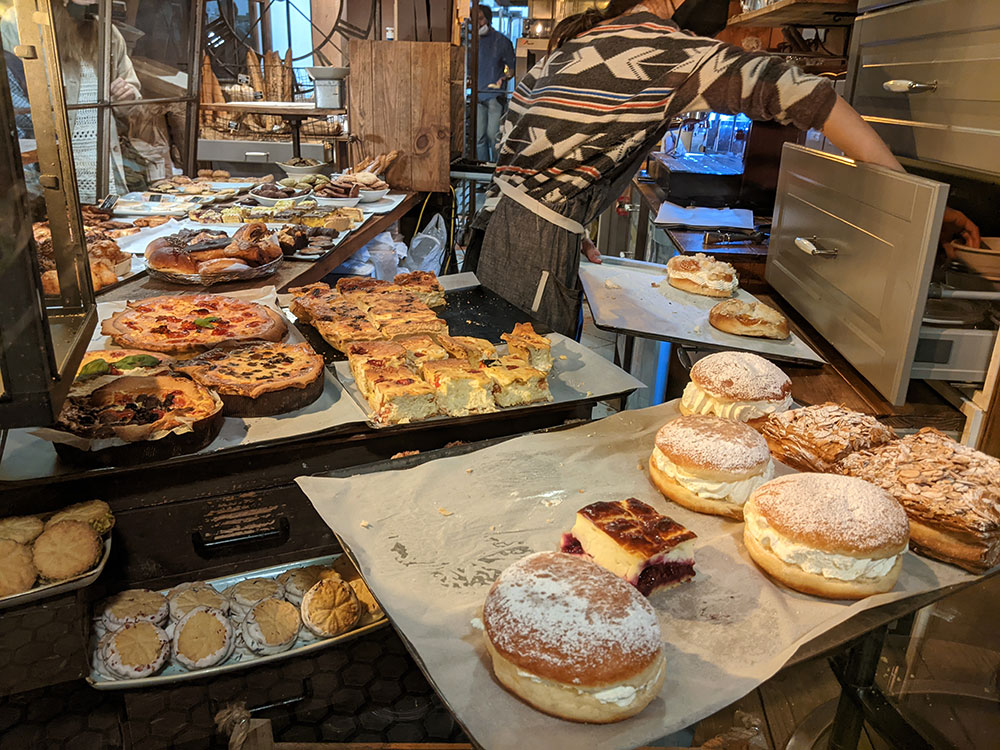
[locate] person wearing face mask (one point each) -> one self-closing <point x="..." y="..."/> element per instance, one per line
<point x="496" y="59"/>
<point x="585" y="117"/>
<point x="76" y="30"/>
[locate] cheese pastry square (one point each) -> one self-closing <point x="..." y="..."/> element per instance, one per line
<point x="462" y="389"/>
<point x="524" y="343"/>
<point x="340" y="333"/>
<point x="401" y="328"/>
<point x="377" y="354"/>
<point x="397" y="395"/>
<point x="424" y="285"/>
<point x="421" y="349"/>
<point x="469" y="348"/>
<point x="515" y="384"/>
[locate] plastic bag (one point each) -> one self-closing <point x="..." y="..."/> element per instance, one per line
<point x="427" y="247"/>
<point x="360" y="264"/>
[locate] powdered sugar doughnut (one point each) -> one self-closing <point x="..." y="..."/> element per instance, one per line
<point x="736" y="385"/>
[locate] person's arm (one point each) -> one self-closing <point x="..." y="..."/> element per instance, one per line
<point x="125" y="84"/>
<point x="847" y="131"/>
<point x="507" y="57"/>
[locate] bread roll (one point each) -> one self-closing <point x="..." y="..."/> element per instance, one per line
<point x="744" y="318"/>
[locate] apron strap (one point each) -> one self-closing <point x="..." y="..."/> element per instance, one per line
<point x="540" y="209"/>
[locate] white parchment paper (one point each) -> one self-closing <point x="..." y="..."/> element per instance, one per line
<point x="431" y="540"/>
<point x="28" y="456"/>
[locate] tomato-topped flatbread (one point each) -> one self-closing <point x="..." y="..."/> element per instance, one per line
<point x="191" y="323"/>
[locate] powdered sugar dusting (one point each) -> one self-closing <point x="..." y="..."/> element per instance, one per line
<point x="561" y="616"/>
<point x="713" y="442"/>
<point x="852" y="514"/>
<point x="740" y="376"/>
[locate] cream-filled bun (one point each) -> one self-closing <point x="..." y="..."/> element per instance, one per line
<point x="827" y="535"/>
<point x="572" y="639"/>
<point x="736" y="385"/>
<point x="709" y="464"/>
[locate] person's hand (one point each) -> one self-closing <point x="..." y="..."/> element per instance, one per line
<point x="122" y="91"/>
<point x="589" y="250"/>
<point x="957" y="225"/>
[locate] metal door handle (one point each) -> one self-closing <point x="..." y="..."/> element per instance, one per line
<point x="813" y="246"/>
<point x="905" y="86"/>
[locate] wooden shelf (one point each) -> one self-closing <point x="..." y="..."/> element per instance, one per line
<point x="800" y="13"/>
<point x="292" y="109"/>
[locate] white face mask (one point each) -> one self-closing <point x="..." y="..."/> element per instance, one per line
<point x="484" y="30"/>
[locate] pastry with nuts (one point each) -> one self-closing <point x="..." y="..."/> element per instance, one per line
<point x="951" y="493"/>
<point x="816" y="438"/>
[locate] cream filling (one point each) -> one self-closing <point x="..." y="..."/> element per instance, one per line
<point x="737" y="492"/>
<point x="622" y="696"/>
<point x="610" y="555"/>
<point x="698" y="401"/>
<point x="811" y="560"/>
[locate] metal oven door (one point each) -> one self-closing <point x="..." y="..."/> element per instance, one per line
<point x="852" y="247"/>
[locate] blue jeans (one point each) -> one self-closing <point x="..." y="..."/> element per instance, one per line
<point x="488" y="117"/>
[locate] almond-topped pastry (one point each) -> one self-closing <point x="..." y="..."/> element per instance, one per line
<point x="330" y="608"/>
<point x="271" y="626"/>
<point x="138" y="649"/>
<point x="827" y="535"/>
<point x="469" y="348"/>
<point x="709" y="464"/>
<point x="634" y="542"/>
<point x="248" y="592"/>
<point x="203" y="638"/>
<point x="17" y="569"/>
<point x="189" y="596"/>
<point x="516" y="384"/>
<point x="571" y="639"/>
<point x="736" y="385"/>
<point x="297" y="581"/>
<point x="21" y="529"/>
<point x="702" y="274"/>
<point x="524" y="343"/>
<point x="950" y="492"/>
<point x="135" y="605"/>
<point x="66" y="549"/>
<point x="398" y="396"/>
<point x="817" y="438"/>
<point x="745" y="318"/>
<point x="462" y="389"/>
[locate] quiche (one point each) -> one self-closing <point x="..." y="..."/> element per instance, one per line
<point x="258" y="380"/>
<point x="191" y="323"/>
<point x="155" y="417"/>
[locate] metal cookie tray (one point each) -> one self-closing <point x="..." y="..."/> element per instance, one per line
<point x="623" y="299"/>
<point x="54" y="589"/>
<point x="241" y="657"/>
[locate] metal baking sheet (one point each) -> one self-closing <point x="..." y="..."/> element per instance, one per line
<point x="577" y="374"/>
<point x="622" y="299"/>
<point x="724" y="633"/>
<point x="28" y="456"/>
<point x="54" y="589"/>
<point x="242" y="658"/>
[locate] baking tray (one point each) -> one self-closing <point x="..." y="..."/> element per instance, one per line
<point x="622" y="299"/>
<point x="577" y="374"/>
<point x="242" y="658"/>
<point x="54" y="589"/>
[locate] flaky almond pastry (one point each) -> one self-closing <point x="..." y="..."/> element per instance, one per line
<point x="817" y="438"/>
<point x="950" y="492"/>
<point x="572" y="639"/>
<point x="708" y="464"/>
<point x="826" y="535"/>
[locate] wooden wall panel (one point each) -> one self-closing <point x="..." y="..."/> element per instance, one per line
<point x="402" y="97"/>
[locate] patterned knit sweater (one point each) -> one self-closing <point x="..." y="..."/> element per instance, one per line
<point x="587" y="114"/>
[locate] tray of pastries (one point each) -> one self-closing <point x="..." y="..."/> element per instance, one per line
<point x="50" y="554"/>
<point x="144" y="638"/>
<point x="210" y="256"/>
<point x="306" y="212"/>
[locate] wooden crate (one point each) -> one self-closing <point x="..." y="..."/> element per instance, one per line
<point x="401" y="97"/>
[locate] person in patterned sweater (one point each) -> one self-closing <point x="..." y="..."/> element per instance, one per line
<point x="584" y="118"/>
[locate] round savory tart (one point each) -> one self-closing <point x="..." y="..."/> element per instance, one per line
<point x="157" y="417"/>
<point x="259" y="380"/>
<point x="191" y="323"/>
